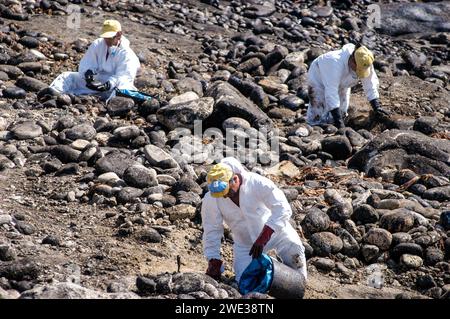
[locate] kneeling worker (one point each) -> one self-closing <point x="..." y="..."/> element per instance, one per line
<point x="109" y="63"/>
<point x="258" y="214"/>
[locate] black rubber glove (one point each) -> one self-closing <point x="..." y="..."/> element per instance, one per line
<point x="105" y="87"/>
<point x="97" y="86"/>
<point x="89" y="76"/>
<point x="337" y="116"/>
<point x="376" y="106"/>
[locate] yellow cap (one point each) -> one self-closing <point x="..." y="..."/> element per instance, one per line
<point x="110" y="28"/>
<point x="364" y="60"/>
<point x="218" y="180"/>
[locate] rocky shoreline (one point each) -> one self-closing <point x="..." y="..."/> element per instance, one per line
<point x="102" y="200"/>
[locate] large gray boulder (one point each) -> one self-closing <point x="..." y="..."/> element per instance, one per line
<point x="12" y="71"/>
<point x="159" y="157"/>
<point x="438" y="193"/>
<point x="379" y="237"/>
<point x="65" y="153"/>
<point x="23" y="269"/>
<point x="189" y="85"/>
<point x="116" y="162"/>
<point x="185" y="114"/>
<point x="229" y="102"/>
<point x="5" y="162"/>
<point x="30" y="84"/>
<point x="82" y="131"/>
<point x="68" y="290"/>
<point x="315" y="221"/>
<point x="397" y="149"/>
<point x="14" y="92"/>
<point x="398" y="220"/>
<point x="140" y="176"/>
<point x="325" y="243"/>
<point x="403" y="18"/>
<point x="26" y="130"/>
<point x="259" y="9"/>
<point x="338" y="146"/>
<point x="119" y="106"/>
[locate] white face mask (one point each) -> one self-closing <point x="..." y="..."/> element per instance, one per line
<point x="113" y="50"/>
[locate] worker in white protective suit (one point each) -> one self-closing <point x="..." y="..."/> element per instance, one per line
<point x="258" y="214"/>
<point x="330" y="78"/>
<point x="109" y="63"/>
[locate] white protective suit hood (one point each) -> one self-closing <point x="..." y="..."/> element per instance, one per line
<point x="235" y="165"/>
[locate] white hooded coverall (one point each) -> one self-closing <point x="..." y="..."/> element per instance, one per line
<point x="329" y="81"/>
<point x="261" y="203"/>
<point x="119" y="69"/>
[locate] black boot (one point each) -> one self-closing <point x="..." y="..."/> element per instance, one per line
<point x="337" y="116"/>
<point x="379" y="111"/>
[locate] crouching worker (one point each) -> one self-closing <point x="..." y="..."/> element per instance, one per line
<point x="109" y="63"/>
<point x="257" y="213"/>
<point x="330" y="78"/>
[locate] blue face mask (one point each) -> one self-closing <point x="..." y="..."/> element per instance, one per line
<point x="217" y="186"/>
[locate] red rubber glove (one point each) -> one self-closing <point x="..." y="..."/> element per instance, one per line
<point x="261" y="241"/>
<point x="214" y="268"/>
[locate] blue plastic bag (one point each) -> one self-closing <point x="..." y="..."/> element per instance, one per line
<point x="258" y="276"/>
<point x="135" y="95"/>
